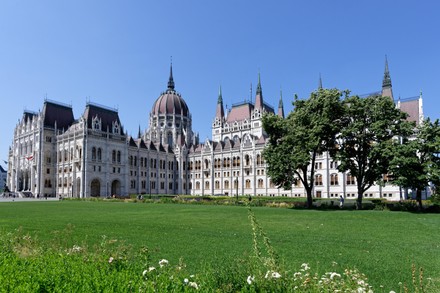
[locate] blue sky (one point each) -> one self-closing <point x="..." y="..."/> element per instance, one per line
<point x="117" y="53"/>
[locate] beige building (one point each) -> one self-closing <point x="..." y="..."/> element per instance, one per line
<point x="54" y="154"/>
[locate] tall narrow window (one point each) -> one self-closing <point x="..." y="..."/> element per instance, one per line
<point x="93" y="154"/>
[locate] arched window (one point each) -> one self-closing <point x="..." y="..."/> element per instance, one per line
<point x="226" y="184"/>
<point x="99" y="154"/>
<point x="318" y="180"/>
<point x="350" y="180"/>
<point x="258" y="159"/>
<point x="197" y="185"/>
<point x="113" y="156"/>
<point x="217" y="184"/>
<point x="206" y="184"/>
<point x="248" y="183"/>
<point x="260" y="183"/>
<point x="247" y="160"/>
<point x="334" y="179"/>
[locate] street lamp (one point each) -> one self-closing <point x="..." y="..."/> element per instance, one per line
<point x="236" y="185"/>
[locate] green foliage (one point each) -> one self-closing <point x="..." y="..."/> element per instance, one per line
<point x="416" y="162"/>
<point x="294" y="142"/>
<point x="365" y="140"/>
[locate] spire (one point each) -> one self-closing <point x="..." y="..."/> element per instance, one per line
<point x="387" y="89"/>
<point x="259" y="91"/>
<point x="219" y="113"/>
<point x="386" y="76"/>
<point x="259" y="95"/>
<point x="139" y="132"/>
<point x="280" y="105"/>
<point x="320" y="82"/>
<point x="220" y="98"/>
<point x="171" y="80"/>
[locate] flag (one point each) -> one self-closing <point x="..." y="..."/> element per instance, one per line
<point x="30" y="158"/>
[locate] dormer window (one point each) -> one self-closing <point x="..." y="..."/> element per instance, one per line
<point x="116" y="128"/>
<point x="96" y="123"/>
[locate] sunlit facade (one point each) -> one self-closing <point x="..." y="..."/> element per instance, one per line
<point x="54" y="154"/>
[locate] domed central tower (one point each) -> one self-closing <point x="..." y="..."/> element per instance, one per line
<point x="170" y="119"/>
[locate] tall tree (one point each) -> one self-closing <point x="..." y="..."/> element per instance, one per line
<point x="416" y="163"/>
<point x="364" y="145"/>
<point x="295" y="142"/>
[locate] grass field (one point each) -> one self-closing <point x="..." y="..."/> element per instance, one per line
<point x="383" y="245"/>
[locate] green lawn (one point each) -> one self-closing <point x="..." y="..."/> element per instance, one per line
<point x="381" y="244"/>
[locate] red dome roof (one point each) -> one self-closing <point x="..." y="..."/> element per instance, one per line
<point x="170" y="102"/>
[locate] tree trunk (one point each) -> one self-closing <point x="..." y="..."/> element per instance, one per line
<point x="309" y="199"/>
<point x="359" y="200"/>
<point x="419" y="198"/>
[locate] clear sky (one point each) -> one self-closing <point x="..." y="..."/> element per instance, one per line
<point x="117" y="53"/>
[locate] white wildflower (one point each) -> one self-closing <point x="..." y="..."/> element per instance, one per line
<point x="110" y="260"/>
<point x="276" y="275"/>
<point x="163" y="262"/>
<point x="361" y="282"/>
<point x="145" y="272"/>
<point x="193" y="285"/>
<point x="186" y="280"/>
<point x="250" y="279"/>
<point x="392" y="291"/>
<point x="305" y="266"/>
<point x="360" y="290"/>
<point x="76" y="248"/>
<point x="332" y="275"/>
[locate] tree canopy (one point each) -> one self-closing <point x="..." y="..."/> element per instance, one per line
<point x="365" y="141"/>
<point x="416" y="162"/>
<point x="295" y="142"/>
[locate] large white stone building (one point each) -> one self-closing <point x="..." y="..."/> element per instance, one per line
<point x="54" y="154"/>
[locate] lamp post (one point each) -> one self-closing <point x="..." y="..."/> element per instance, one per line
<point x="236" y="185"/>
